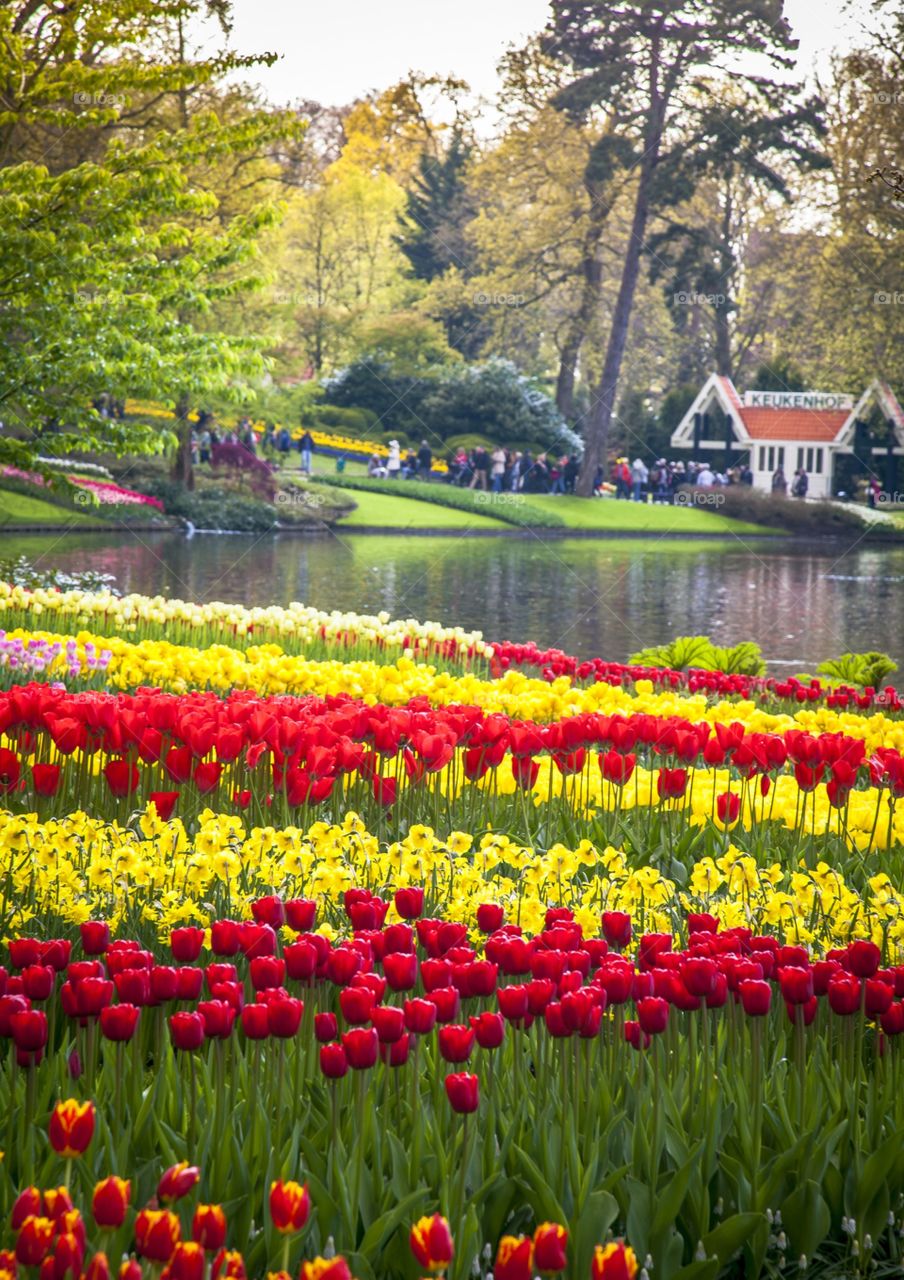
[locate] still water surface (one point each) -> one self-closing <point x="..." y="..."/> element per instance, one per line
<point x="800" y="603"/>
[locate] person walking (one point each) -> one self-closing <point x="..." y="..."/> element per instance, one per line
<point x="394" y="460"/>
<point x="283" y="444"/>
<point x="307" y="451"/>
<point x="481" y="465"/>
<point x="801" y="484"/>
<point x="497" y="468"/>
<point x="779" y="483"/>
<point x="424" y="461"/>
<point x="639" y="478"/>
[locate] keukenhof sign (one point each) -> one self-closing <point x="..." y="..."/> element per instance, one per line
<point x="797" y="400"/>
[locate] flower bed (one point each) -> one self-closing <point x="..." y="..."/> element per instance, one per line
<point x="392" y="966"/>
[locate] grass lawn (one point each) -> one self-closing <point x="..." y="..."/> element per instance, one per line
<point x="20" y="509"/>
<point x="642" y="517"/>
<point x="381" y="510"/>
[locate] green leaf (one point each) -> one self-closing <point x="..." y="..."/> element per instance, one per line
<point x="729" y="1236"/>
<point x="806" y="1219"/>
<point x="670" y="1198"/>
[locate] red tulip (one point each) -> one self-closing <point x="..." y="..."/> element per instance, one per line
<point x="34" y="1240"/>
<point x="462" y="1091"/>
<point x="164" y="802"/>
<point x="208" y="1227"/>
<point x="290" y="1206"/>
<point x="333" y="1061"/>
<point x="256" y="1021"/>
<point x="111" y="1201"/>
<point x="187" y="1262"/>
<point x="186" y="943"/>
<point x="431" y="1243"/>
<point x="653" y="1014"/>
<point x="616" y="928"/>
<point x="671" y="784"/>
<point x="206" y="776"/>
<point x="118" y="1021"/>
<point x="122" y="777"/>
<point x="756" y="997"/>
<point x="514" y="1258"/>
<point x="177" y="1181"/>
<point x="863" y="958"/>
<point x="617" y="768"/>
<point x="157" y="1232"/>
<point x="95" y="935"/>
<point x="361" y="1047"/>
<point x="489" y="1030"/>
<point x="409" y="902"/>
<point x="614" y="1261"/>
<point x="285" y="1015"/>
<point x="550" y="1248"/>
<point x="728" y="807"/>
<point x="186" y="1030"/>
<point x="420" y="1016"/>
<point x="456" y="1043"/>
<point x="300" y="914"/>
<point x="46" y="779"/>
<point x="400" y="969"/>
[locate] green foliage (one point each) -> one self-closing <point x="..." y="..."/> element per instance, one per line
<point x="119" y="249"/>
<point x="511" y="508"/>
<point x="818" y="518"/>
<point x="868" y="670"/>
<point x="698" y="652"/>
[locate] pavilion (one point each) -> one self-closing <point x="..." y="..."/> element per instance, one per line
<point x="829" y="435"/>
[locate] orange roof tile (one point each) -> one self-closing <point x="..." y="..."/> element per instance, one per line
<point x="820" y="425"/>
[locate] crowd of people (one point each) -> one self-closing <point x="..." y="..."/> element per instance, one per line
<point x="500" y="470"/>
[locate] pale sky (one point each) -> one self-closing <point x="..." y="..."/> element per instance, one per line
<point x="336" y="50"/>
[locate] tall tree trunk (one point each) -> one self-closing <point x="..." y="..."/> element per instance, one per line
<point x="591" y="269"/>
<point x="183" y="471"/>
<point x="596" y="431"/>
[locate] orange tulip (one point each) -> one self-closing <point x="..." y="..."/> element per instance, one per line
<point x="34" y="1239"/>
<point x="514" y="1258"/>
<point x="208" y="1227"/>
<point x="157" y="1232"/>
<point x="71" y="1127"/>
<point x="290" y="1206"/>
<point x="187" y="1262"/>
<point x="110" y="1201"/>
<point x="98" y="1268"/>
<point x="326" y="1269"/>
<point x="431" y="1242"/>
<point x="177" y="1181"/>
<point x="550" y="1248"/>
<point x="228" y="1265"/>
<point x="614" y="1261"/>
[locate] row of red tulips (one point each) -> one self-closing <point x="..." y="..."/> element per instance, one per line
<point x="554" y="663"/>
<point x="302" y="747"/>
<point x="560" y="976"/>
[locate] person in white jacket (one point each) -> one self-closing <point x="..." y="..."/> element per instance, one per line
<point x="394" y="461"/>
<point x="639" y="477"/>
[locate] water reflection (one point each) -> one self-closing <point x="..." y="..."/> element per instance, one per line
<point x="800" y="603"/>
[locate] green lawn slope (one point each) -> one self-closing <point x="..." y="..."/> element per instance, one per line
<point x="18" y="509"/>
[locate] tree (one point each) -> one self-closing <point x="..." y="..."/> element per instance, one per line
<point x="642" y="58"/>
<point x="740" y="157"/>
<point x="115" y="245"/>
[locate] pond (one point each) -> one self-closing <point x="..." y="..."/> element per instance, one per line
<point x="801" y="603"/>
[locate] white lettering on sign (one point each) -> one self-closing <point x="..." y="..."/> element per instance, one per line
<point x="797" y="400"/>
